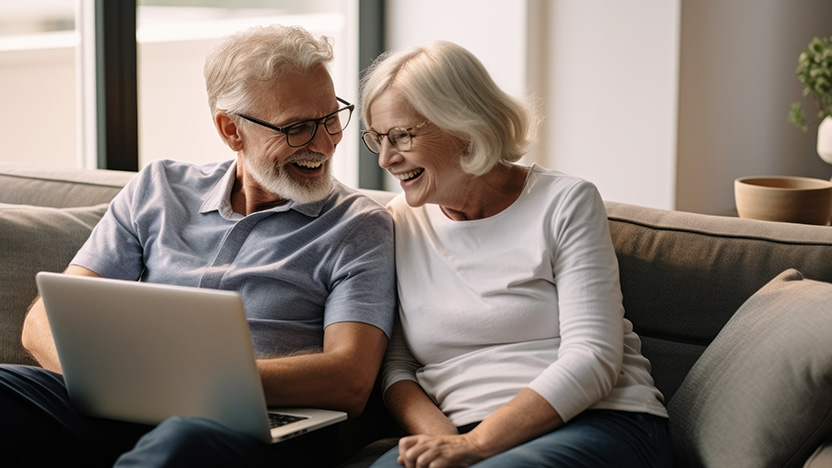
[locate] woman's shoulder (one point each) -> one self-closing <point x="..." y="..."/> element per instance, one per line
<point x="556" y="183"/>
<point x="398" y="206"/>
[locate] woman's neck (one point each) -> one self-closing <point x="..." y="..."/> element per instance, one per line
<point x="487" y="195"/>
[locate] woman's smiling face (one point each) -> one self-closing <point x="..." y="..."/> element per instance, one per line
<point x="430" y="171"/>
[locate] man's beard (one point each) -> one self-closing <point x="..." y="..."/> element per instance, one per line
<point x="278" y="181"/>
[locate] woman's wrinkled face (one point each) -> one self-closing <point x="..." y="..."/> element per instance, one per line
<point x="430" y="171"/>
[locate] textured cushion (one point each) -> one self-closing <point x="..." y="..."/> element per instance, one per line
<point x="822" y="458"/>
<point x="761" y="393"/>
<point x="34" y="239"/>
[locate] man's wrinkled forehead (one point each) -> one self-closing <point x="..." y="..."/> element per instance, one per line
<point x="299" y="96"/>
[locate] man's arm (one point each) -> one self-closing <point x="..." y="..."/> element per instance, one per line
<point x="37" y="335"/>
<point x="341" y="377"/>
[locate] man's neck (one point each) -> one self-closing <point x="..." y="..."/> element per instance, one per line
<point x="247" y="196"/>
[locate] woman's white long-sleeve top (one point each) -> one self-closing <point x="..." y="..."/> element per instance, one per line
<point x="529" y="297"/>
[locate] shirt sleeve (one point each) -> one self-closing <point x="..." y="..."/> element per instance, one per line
<point x="114" y="249"/>
<point x="399" y="363"/>
<point x="590" y="306"/>
<point x="365" y="275"/>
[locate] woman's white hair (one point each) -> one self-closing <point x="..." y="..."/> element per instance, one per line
<point x="250" y="61"/>
<point x="450" y="87"/>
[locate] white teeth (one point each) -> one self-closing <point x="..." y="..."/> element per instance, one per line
<point x="309" y="164"/>
<point x="408" y="175"/>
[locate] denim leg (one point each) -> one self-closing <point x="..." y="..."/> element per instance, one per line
<point x="180" y="441"/>
<point x="594" y="439"/>
<point x="39" y="426"/>
<point x="388" y="460"/>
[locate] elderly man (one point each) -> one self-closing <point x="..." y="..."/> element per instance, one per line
<point x="312" y="259"/>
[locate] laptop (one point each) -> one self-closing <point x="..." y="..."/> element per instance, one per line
<point x="143" y="352"/>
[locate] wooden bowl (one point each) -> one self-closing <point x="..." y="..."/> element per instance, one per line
<point x="784" y="198"/>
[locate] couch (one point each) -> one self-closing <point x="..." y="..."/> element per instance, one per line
<point x="735" y="316"/>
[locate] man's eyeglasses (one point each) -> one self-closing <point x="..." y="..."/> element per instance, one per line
<point x="400" y="138"/>
<point x="301" y="133"/>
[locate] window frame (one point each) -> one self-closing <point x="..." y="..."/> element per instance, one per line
<point x="117" y="84"/>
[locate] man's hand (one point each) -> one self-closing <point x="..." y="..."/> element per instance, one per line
<point x="439" y="451"/>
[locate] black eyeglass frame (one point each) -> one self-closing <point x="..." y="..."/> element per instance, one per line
<point x="315" y="123"/>
<point x="378" y="140"/>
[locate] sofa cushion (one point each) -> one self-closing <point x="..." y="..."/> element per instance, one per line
<point x="760" y="393"/>
<point x="683" y="275"/>
<point x="34" y="239"/>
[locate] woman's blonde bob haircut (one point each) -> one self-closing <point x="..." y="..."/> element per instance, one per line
<point x="251" y="61"/>
<point x="450" y="87"/>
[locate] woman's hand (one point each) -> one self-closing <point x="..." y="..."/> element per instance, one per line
<point x="439" y="451"/>
<point x="523" y="418"/>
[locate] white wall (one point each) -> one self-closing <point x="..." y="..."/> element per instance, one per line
<point x="606" y="76"/>
<point x="494" y="30"/>
<point x="737" y="82"/>
<point x="37" y="91"/>
<point x="611" y="96"/>
<point x="660" y="103"/>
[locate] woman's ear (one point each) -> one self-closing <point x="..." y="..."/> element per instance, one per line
<point x="228" y="130"/>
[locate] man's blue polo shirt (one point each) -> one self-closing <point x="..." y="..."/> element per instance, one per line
<point x="298" y="267"/>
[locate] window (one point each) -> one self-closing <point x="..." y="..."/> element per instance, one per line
<point x="48" y="69"/>
<point x="39" y="83"/>
<point x="174" y="36"/>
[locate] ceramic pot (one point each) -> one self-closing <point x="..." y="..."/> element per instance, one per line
<point x="783" y="198"/>
<point x="825" y="139"/>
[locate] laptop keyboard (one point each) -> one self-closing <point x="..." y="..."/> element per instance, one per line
<point x="279" y="419"/>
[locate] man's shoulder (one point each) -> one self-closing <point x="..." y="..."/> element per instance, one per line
<point x="166" y="176"/>
<point x="180" y="170"/>
<point x="354" y="201"/>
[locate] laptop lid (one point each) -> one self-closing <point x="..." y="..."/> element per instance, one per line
<point x="143" y="352"/>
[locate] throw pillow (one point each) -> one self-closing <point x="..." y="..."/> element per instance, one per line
<point x="822" y="458"/>
<point x="761" y="393"/>
<point x="34" y="239"/>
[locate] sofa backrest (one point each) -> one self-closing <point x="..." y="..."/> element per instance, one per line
<point x="683" y="275"/>
<point x="59" y="188"/>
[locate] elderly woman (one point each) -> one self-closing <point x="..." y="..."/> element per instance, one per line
<point x="512" y="348"/>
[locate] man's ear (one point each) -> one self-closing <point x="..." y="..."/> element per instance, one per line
<point x="228" y="130"/>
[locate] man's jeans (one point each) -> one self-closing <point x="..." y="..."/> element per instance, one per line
<point x="39" y="427"/>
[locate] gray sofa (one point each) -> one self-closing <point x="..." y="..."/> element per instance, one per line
<point x="735" y="316"/>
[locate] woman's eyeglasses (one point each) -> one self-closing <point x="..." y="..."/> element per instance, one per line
<point x="301" y="133"/>
<point x="400" y="138"/>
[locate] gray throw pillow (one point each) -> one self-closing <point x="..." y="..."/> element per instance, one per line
<point x="34" y="239"/>
<point x="822" y="458"/>
<point x="761" y="393"/>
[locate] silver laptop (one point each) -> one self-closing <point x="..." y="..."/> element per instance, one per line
<point x="143" y="352"/>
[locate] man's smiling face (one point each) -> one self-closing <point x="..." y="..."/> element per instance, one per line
<point x="301" y="174"/>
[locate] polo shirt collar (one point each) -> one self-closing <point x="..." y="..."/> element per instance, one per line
<point x="218" y="198"/>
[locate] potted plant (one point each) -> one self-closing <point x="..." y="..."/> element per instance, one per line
<point x="815" y="71"/>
